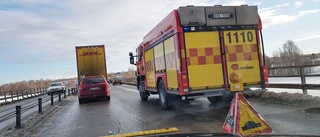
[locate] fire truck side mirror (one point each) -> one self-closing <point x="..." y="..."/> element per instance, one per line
<point x="131" y="58"/>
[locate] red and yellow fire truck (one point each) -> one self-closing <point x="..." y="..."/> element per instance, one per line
<point x="202" y="51"/>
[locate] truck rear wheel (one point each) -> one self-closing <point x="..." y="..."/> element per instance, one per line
<point x="163" y="96"/>
<point x="221" y="101"/>
<point x="214" y="100"/>
<point x="143" y="95"/>
<point x="80" y="101"/>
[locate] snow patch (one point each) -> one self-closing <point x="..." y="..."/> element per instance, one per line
<point x="285" y="98"/>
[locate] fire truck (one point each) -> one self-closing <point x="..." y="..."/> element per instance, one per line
<point x="202" y="51"/>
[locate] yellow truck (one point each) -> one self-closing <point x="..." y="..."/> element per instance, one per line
<point x="91" y="61"/>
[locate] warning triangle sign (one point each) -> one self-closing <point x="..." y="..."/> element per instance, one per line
<point x="242" y="119"/>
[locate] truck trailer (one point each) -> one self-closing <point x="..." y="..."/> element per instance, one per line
<point x="91" y="61"/>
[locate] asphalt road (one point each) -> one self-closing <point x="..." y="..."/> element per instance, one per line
<point x="126" y="110"/>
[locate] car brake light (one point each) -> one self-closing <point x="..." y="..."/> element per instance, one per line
<point x="265" y="75"/>
<point x="185" y="84"/>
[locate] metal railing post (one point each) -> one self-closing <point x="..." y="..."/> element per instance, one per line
<point x="26" y="92"/>
<point x="18" y="116"/>
<point x="5" y="97"/>
<point x="40" y="105"/>
<point x="59" y="96"/>
<point x="11" y="96"/>
<point x="17" y="94"/>
<point x="303" y="80"/>
<point x="51" y="94"/>
<point x="64" y="93"/>
<point x="22" y="94"/>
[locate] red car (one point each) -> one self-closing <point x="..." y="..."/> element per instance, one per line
<point x="93" y="87"/>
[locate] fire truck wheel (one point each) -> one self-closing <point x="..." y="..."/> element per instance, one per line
<point x="163" y="96"/>
<point x="221" y="101"/>
<point x="80" y="101"/>
<point x="214" y="100"/>
<point x="143" y="94"/>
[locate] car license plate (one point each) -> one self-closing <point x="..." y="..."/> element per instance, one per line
<point x="236" y="87"/>
<point x="94" y="88"/>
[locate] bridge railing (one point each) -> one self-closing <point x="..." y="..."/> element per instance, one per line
<point x="130" y="81"/>
<point x="9" y="96"/>
<point x="300" y="72"/>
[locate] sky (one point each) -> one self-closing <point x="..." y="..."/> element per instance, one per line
<point x="38" y="37"/>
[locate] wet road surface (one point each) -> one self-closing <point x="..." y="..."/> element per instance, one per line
<point x="126" y="110"/>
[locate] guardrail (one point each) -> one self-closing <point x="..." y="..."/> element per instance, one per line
<point x="301" y="73"/>
<point x="130" y="81"/>
<point x="26" y="107"/>
<point x="10" y="96"/>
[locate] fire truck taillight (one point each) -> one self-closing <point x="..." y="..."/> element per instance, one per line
<point x="185" y="84"/>
<point x="265" y="75"/>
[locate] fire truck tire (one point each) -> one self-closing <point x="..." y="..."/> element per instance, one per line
<point x="143" y="95"/>
<point x="163" y="96"/>
<point x="80" y="101"/>
<point x="214" y="100"/>
<point x="221" y="101"/>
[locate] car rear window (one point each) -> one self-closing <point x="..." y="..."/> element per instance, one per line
<point x="93" y="80"/>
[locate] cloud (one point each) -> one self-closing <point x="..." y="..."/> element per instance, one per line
<point x="48" y="30"/>
<point x="308" y="37"/>
<point x="235" y="2"/>
<point x="279" y="6"/>
<point x="256" y="3"/>
<point x="280" y="14"/>
<point x="271" y="15"/>
<point x="298" y="3"/>
<point x="303" y="12"/>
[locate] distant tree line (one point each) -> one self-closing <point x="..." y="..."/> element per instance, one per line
<point x="30" y="84"/>
<point x="22" y="85"/>
<point x="290" y="55"/>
